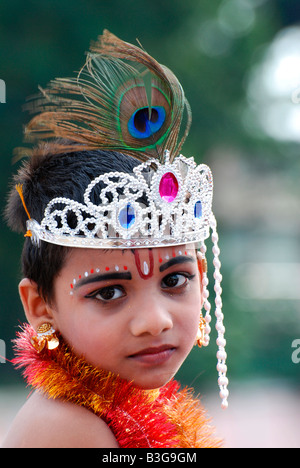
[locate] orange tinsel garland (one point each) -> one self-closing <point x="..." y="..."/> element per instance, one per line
<point x="168" y="418"/>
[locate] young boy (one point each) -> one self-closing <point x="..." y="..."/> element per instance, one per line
<point x="113" y="285"/>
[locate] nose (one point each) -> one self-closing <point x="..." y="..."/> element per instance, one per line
<point x="151" y="317"/>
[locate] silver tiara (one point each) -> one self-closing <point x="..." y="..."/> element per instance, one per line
<point x="157" y="205"/>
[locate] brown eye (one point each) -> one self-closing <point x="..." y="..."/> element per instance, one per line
<point x="109" y="293"/>
<point x="175" y="280"/>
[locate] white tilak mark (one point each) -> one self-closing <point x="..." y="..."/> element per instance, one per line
<point x="146" y="268"/>
<point x="97" y="270"/>
<point x="117" y="268"/>
<point x="86" y="274"/>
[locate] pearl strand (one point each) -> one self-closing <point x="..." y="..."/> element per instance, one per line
<point x="205" y="295"/>
<point x="221" y="342"/>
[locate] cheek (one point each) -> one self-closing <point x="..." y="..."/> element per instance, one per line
<point x="85" y="340"/>
<point x="189" y="325"/>
<point x="73" y="323"/>
<point x="74" y="331"/>
<point x="189" y="319"/>
<point x="90" y="334"/>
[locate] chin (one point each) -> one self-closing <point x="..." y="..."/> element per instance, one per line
<point x="153" y="383"/>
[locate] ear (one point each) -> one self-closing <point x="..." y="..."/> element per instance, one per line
<point x="37" y="311"/>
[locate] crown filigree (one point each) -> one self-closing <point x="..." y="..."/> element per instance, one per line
<point x="157" y="205"/>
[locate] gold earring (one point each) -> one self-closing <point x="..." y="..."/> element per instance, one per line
<point x="200" y="339"/>
<point x="46" y="337"/>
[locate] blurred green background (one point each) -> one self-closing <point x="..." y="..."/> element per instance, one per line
<point x="239" y="63"/>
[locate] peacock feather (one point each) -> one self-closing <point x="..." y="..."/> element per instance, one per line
<point x="122" y="100"/>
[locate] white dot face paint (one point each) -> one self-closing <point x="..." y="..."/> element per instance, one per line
<point x="146" y="268"/>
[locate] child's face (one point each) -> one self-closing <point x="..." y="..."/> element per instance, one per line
<point x="135" y="313"/>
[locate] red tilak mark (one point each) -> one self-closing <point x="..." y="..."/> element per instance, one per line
<point x="92" y="271"/>
<point x="138" y="265"/>
<point x="79" y="276"/>
<point x="173" y="253"/>
<point x="106" y="268"/>
<point x="159" y="257"/>
<point x="125" y="268"/>
<point x="72" y="286"/>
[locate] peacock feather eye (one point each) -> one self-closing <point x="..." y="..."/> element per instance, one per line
<point x="143" y="124"/>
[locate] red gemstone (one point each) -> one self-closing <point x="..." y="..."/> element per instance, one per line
<point x="168" y="187"/>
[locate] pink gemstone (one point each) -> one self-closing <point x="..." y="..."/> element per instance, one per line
<point x="168" y="187"/>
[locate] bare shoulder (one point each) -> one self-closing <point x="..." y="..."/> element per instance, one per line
<point x="43" y="423"/>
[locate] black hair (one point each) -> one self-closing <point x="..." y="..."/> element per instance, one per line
<point x="43" y="177"/>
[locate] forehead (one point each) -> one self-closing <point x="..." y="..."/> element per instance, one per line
<point x="94" y="258"/>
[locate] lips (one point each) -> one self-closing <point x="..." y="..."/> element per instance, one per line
<point x="154" y="355"/>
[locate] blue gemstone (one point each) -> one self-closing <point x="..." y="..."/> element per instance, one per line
<point x="127" y="216"/>
<point x="198" y="210"/>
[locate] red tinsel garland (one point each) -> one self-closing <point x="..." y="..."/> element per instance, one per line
<point x="168" y="418"/>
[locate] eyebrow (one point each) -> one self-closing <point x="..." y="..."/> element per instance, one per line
<point x="104" y="277"/>
<point x="176" y="261"/>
